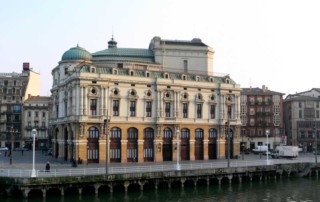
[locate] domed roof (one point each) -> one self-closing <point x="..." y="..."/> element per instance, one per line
<point x="76" y="53"/>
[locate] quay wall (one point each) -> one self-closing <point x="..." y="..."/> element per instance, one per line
<point x="23" y="186"/>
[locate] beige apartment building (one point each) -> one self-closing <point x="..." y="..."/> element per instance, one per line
<point x="35" y="115"/>
<point x="153" y="104"/>
<point x="14" y="89"/>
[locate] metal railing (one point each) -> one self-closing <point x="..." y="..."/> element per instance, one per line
<point x="146" y="168"/>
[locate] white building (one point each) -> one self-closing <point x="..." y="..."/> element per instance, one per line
<point x="158" y="100"/>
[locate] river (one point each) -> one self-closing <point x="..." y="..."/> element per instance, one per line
<point x="281" y="190"/>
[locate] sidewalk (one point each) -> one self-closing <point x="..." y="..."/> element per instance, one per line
<point x="25" y="161"/>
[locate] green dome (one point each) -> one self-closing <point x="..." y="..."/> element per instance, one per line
<point x="76" y="53"/>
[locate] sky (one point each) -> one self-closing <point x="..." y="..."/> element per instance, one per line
<point x="257" y="42"/>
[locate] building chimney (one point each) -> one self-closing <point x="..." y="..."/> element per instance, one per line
<point x="26" y="66"/>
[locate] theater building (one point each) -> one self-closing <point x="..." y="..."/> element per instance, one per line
<point x="151" y="104"/>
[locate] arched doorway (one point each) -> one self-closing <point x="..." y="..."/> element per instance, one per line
<point x="231" y="144"/>
<point x="212" y="143"/>
<point x="185" y="144"/>
<point x="93" y="145"/>
<point x="115" y="145"/>
<point x="198" y="149"/>
<point x="167" y="145"/>
<point x="148" y="137"/>
<point x="56" y="148"/>
<point x="132" y="147"/>
<point x="65" y="143"/>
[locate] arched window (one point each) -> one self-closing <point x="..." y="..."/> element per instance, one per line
<point x="93" y="132"/>
<point x="115" y="133"/>
<point x="199" y="133"/>
<point x="167" y="133"/>
<point x="132" y="133"/>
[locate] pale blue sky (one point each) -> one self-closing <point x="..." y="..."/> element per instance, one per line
<point x="258" y="42"/>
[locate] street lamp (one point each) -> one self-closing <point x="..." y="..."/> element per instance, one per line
<point x="316" y="147"/>
<point x="178" y="149"/>
<point x="106" y="131"/>
<point x="267" y="134"/>
<point x="33" y="172"/>
<point x="228" y="139"/>
<point x="243" y="145"/>
<point x="11" y="147"/>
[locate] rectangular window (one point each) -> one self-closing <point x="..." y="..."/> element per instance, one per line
<point x="300" y="114"/>
<point x="29" y="123"/>
<point x="132" y="108"/>
<point x="148" y="108"/>
<point x="317" y="114"/>
<point x="36" y="123"/>
<point x="229" y="111"/>
<point x="43" y="114"/>
<point x="243" y="119"/>
<point x="185" y="110"/>
<point x="167" y="109"/>
<point x="29" y="114"/>
<point x="36" y="114"/>
<point x="57" y="111"/>
<point x="212" y="111"/>
<point x="115" y="104"/>
<point x="199" y="111"/>
<point x="185" y="66"/>
<point x="93" y="107"/>
<point x="43" y="124"/>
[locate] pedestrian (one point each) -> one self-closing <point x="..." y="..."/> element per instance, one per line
<point x="5" y="153"/>
<point x="22" y="152"/>
<point x="48" y="167"/>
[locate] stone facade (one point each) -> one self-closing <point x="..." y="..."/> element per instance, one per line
<point x="302" y="119"/>
<point x="148" y="112"/>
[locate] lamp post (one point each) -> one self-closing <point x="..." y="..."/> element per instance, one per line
<point x="11" y="147"/>
<point x="178" y="149"/>
<point x="33" y="172"/>
<point x="316" y="147"/>
<point x="228" y="139"/>
<point x="243" y="145"/>
<point x="106" y="131"/>
<point x="267" y="134"/>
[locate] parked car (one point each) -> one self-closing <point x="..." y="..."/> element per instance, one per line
<point x="4" y="149"/>
<point x="265" y="153"/>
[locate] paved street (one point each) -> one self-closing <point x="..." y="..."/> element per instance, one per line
<point x="24" y="161"/>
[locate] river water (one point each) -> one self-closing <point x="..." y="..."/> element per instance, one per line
<point x="281" y="190"/>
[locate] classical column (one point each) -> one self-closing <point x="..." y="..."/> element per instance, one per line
<point x="77" y="100"/>
<point x="107" y="111"/>
<point x="80" y="100"/>
<point x="178" y="105"/>
<point x="101" y="103"/>
<point x="158" y="104"/>
<point x="85" y="100"/>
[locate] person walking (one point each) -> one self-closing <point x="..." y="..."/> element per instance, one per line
<point x="48" y="167"/>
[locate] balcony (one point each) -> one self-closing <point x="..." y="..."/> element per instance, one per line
<point x="28" y="128"/>
<point x="43" y="128"/>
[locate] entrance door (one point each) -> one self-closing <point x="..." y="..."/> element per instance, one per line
<point x="93" y="145"/>
<point x="148" y="146"/>
<point x="167" y="145"/>
<point x="185" y="144"/>
<point x="212" y="143"/>
<point x="132" y="147"/>
<point x="198" y="144"/>
<point x="115" y="145"/>
<point x="231" y="144"/>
